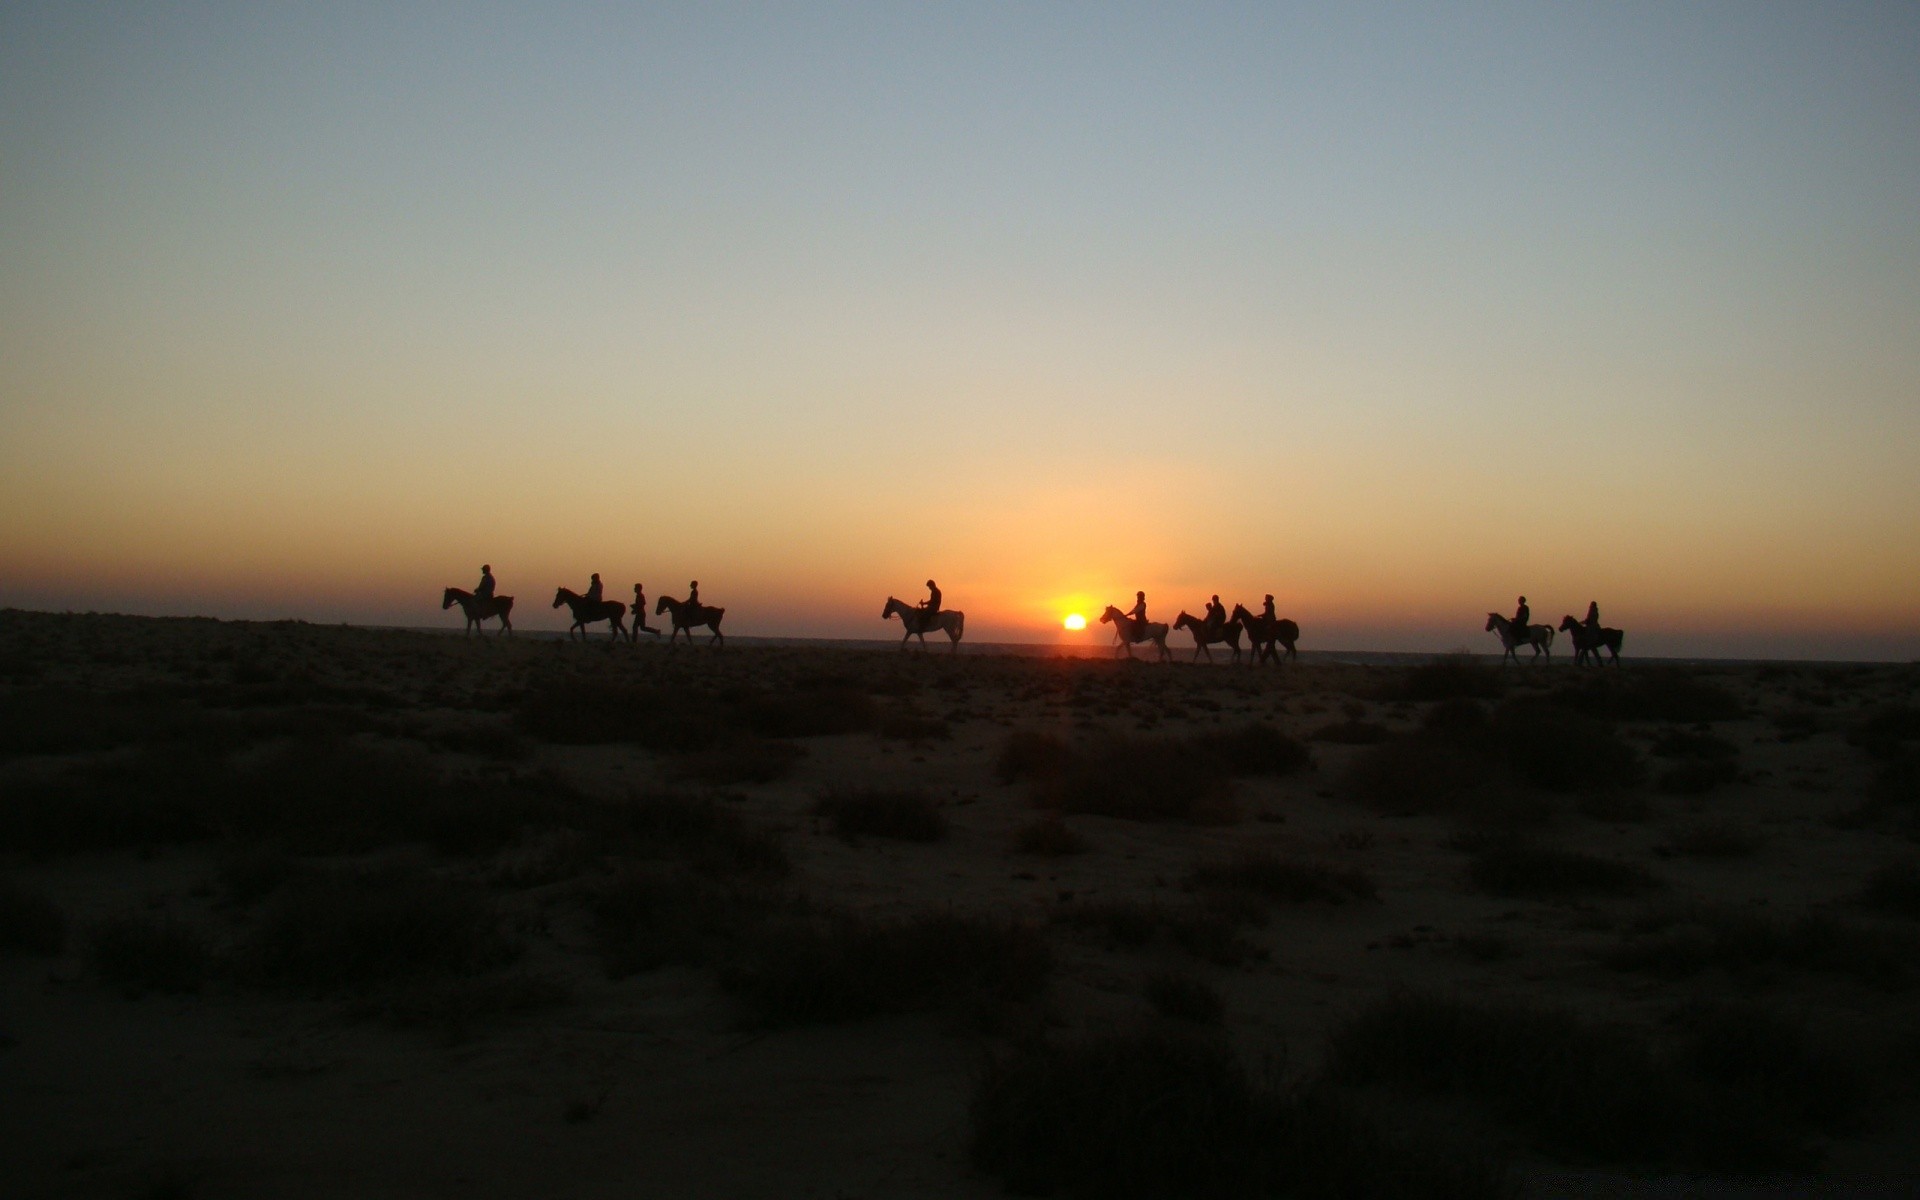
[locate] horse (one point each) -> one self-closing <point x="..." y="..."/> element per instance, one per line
<point x="1540" y="637"/>
<point x="1591" y="641"/>
<point x="1264" y="633"/>
<point x="586" y="612"/>
<point x="951" y="621"/>
<point x="1130" y="631"/>
<point x="688" y="616"/>
<point x="477" y="609"/>
<point x="1205" y="636"/>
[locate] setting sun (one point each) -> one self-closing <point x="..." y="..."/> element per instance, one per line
<point x="1075" y="621"/>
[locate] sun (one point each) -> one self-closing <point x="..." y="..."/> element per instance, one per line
<point x="1075" y="621"/>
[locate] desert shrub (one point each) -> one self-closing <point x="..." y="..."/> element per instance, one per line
<point x="1757" y="947"/>
<point x="1451" y="677"/>
<point x="1255" y="749"/>
<point x="814" y="712"/>
<point x="1141" y="779"/>
<point x="330" y="930"/>
<point x="1897" y="781"/>
<point x="1419" y="774"/>
<point x="741" y="759"/>
<point x="151" y="796"/>
<point x="912" y="727"/>
<point x="1885" y="731"/>
<point x="140" y="952"/>
<point x="1210" y="932"/>
<point x="689" y="829"/>
<point x="1577" y="1087"/>
<point x="905" y="816"/>
<point x="583" y="711"/>
<point x="1696" y="776"/>
<point x="60" y="720"/>
<point x="30" y="922"/>
<point x="1522" y="869"/>
<point x="1184" y="998"/>
<point x="846" y="968"/>
<point x="1767" y="1060"/>
<point x="645" y="919"/>
<point x="1553" y="748"/>
<point x="455" y="1005"/>
<point x="1894" y="888"/>
<point x="1159" y="1114"/>
<point x="1049" y="836"/>
<point x="1715" y="839"/>
<point x="1274" y="878"/>
<point x="1676" y="694"/>
<point x="1352" y="732"/>
<point x="1031" y="754"/>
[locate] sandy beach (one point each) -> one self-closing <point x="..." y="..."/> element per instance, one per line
<point x="303" y="910"/>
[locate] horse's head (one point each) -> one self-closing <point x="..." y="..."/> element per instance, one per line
<point x="1240" y="613"/>
<point x="1185" y="619"/>
<point x="662" y="605"/>
<point x="1110" y="616"/>
<point x="560" y="597"/>
<point x="448" y="597"/>
<point x="1567" y="622"/>
<point x="1493" y="621"/>
<point x="893" y="606"/>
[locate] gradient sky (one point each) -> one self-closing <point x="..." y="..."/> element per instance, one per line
<point x="1394" y="311"/>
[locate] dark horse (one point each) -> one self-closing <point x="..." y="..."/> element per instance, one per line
<point x="688" y="616"/>
<point x="586" y="612"/>
<point x="479" y="610"/>
<point x="1264" y="632"/>
<point x="1204" y="636"/>
<point x="1592" y="641"/>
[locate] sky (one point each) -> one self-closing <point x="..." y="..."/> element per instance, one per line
<point x="1395" y="311"/>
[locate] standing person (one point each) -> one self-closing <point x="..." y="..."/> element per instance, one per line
<point x="594" y="591"/>
<point x="1593" y="616"/>
<point x="484" y="589"/>
<point x="932" y="605"/>
<point x="640" y="614"/>
<point x="1522" y="617"/>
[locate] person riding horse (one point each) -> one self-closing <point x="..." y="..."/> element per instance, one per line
<point x="484" y="589"/>
<point x="1216" y="615"/>
<point x="693" y="593"/>
<point x="931" y="608"/>
<point x="1266" y="610"/>
<point x="594" y="593"/>
<point x="1593" y="616"/>
<point x="1139" y="612"/>
<point x="1520" y="619"/>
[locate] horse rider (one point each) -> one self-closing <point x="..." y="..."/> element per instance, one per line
<point x="640" y="611"/>
<point x="594" y="590"/>
<point x="1521" y="616"/>
<point x="484" y="589"/>
<point x="1216" y="615"/>
<point x="1139" y="614"/>
<point x="931" y="608"/>
<point x="693" y="596"/>
<point x="1593" y="616"/>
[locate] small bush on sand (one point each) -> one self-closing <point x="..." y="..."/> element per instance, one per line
<point x="741" y="759"/>
<point x="846" y="968"/>
<point x="1210" y="932"/>
<point x="904" y="816"/>
<point x="1522" y="869"/>
<point x="1884" y="732"/>
<point x="1031" y="754"/>
<point x="1756" y="947"/>
<point x="30" y="923"/>
<point x="343" y="929"/>
<point x="1415" y="775"/>
<point x="1894" y="888"/>
<point x="149" y="797"/>
<point x="808" y="712"/>
<point x="1676" y="694"/>
<point x="1255" y="749"/>
<point x="1185" y="998"/>
<point x="1049" y="836"/>
<point x="1155" y="1114"/>
<point x="586" y="711"/>
<point x="1579" y="1088"/>
<point x="1452" y="677"/>
<point x="1271" y="877"/>
<point x="648" y="918"/>
<point x="140" y="953"/>
<point x="697" y="831"/>
<point x="912" y="727"/>
<point x="1559" y="750"/>
<point x="1141" y="778"/>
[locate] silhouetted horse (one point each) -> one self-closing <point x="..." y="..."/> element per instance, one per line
<point x="950" y="621"/>
<point x="1591" y="641"/>
<point x="688" y="617"/>
<point x="585" y="613"/>
<point x="1264" y="633"/>
<point x="1540" y="637"/>
<point x="1204" y="637"/>
<point x="478" y="610"/>
<point x="1131" y="631"/>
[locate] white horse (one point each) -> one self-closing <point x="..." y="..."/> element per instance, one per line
<point x="1131" y="631"/>
<point x="950" y="621"/>
<point x="1540" y="637"/>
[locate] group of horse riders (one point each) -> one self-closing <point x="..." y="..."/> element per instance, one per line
<point x="590" y="606"/>
<point x="1589" y="636"/>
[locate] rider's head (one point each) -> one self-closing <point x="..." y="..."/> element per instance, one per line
<point x="1139" y="595"/>
<point x="485" y="569"/>
<point x="596" y="577"/>
<point x="1523" y="599"/>
<point x="1269" y="597"/>
<point x="931" y="583"/>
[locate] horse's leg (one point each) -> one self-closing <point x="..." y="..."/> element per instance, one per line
<point x="904" y="639"/>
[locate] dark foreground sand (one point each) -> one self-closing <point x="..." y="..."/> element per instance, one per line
<point x="297" y="911"/>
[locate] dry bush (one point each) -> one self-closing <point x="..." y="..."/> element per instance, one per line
<point x="1209" y="931"/>
<point x="1522" y="869"/>
<point x="30" y="922"/>
<point x="1756" y="947"/>
<point x="328" y="931"/>
<point x="1049" y="836"/>
<point x="1674" y="694"/>
<point x="1141" y="778"/>
<point x="1255" y="749"/>
<point x="1271" y="877"/>
<point x="646" y="918"/>
<point x="693" y="830"/>
<point x="1031" y="754"/>
<point x="1451" y="677"/>
<point x="905" y="816"/>
<point x="807" y="712"/>
<point x="1886" y="731"/>
<point x="744" y="758"/>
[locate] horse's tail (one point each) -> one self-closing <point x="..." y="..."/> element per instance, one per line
<point x="959" y="625"/>
<point x="504" y="604"/>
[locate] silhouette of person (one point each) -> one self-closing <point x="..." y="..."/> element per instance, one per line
<point x="1593" y="615"/>
<point x="1216" y="613"/>
<point x="1267" y="609"/>
<point x="1521" y="616"/>
<point x="640" y="612"/>
<point x="1139" y="614"/>
<point x="594" y="590"/>
<point x="693" y="594"/>
<point x="484" y="589"/>
<point x="931" y="608"/>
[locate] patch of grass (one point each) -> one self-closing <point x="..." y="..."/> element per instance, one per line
<point x="1559" y="750"/>
<point x="1756" y="947"/>
<point x="30" y="922"/>
<point x="1522" y="869"/>
<point x="1049" y="836"/>
<point x="332" y="930"/>
<point x="846" y="968"/>
<point x="1271" y="877"/>
<point x="148" y="797"/>
<point x="905" y="816"/>
<point x="1894" y="888"/>
<point x="1183" y="997"/>
<point x="1581" y="1088"/>
<point x="1255" y="749"/>
<point x="1141" y="778"/>
<point x="140" y="953"/>
<point x="1897" y="782"/>
<point x="1158" y="1114"/>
